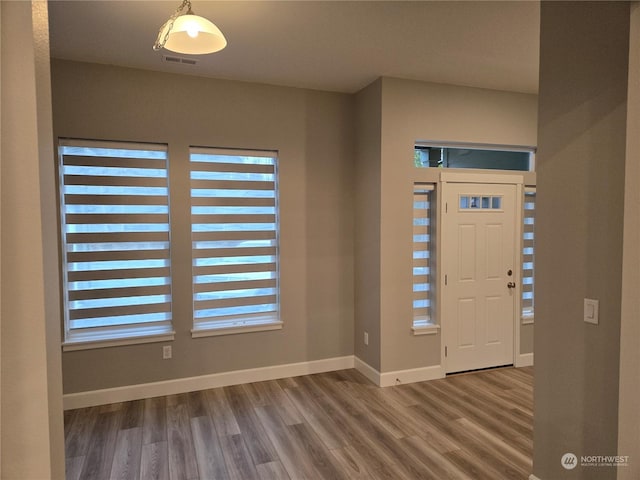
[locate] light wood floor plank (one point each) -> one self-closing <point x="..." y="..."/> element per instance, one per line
<point x="367" y="437"/>
<point x="422" y="450"/>
<point x="73" y="466"/>
<point x="470" y="465"/>
<point x="324" y="464"/>
<point x="297" y="466"/>
<point x="154" y="424"/>
<point x="501" y="447"/>
<point x="325" y="426"/>
<point x="111" y="407"/>
<point x="99" y="458"/>
<point x="209" y="455"/>
<point x="127" y="455"/>
<point x="351" y="463"/>
<point x="279" y="399"/>
<point x="78" y="431"/>
<point x="273" y="471"/>
<point x="238" y="460"/>
<point x="197" y="404"/>
<point x="220" y="411"/>
<point x="155" y="461"/>
<point x="255" y="437"/>
<point x="256" y="393"/>
<point x="398" y="399"/>
<point x="182" y="458"/>
<point x="334" y="425"/>
<point x="132" y="414"/>
<point x="288" y="382"/>
<point x="487" y="409"/>
<point x="485" y="459"/>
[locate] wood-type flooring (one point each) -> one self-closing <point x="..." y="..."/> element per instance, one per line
<point x="335" y="425"/>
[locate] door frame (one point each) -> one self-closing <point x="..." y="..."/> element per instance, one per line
<point x="485" y="177"/>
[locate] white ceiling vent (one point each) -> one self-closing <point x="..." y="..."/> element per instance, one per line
<point x="178" y="60"/>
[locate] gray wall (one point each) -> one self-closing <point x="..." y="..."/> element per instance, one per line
<point x="581" y="167"/>
<point x="629" y="413"/>
<point x="32" y="434"/>
<point x="346" y="175"/>
<point x="413" y="111"/>
<point x="313" y="132"/>
<point x="367" y="223"/>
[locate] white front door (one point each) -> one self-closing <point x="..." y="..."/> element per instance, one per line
<point x="479" y="269"/>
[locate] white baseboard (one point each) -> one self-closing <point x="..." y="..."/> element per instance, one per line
<point x="524" y="360"/>
<point x="398" y="377"/>
<point x="412" y="375"/>
<point x="367" y="370"/>
<point x="533" y="477"/>
<point x="204" y="382"/>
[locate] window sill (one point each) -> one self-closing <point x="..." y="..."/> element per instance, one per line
<point x="527" y="319"/>
<point x="234" y="329"/>
<point x="84" y="344"/>
<point x="426" y="329"/>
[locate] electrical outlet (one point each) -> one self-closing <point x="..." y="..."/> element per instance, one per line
<point x="166" y="352"/>
<point x="366" y="338"/>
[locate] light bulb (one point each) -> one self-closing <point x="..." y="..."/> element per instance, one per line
<point x="192" y="29"/>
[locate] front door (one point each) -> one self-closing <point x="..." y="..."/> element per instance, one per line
<point x="479" y="268"/>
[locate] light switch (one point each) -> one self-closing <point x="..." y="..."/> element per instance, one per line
<point x="591" y="311"/>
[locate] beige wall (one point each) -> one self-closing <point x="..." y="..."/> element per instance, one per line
<point x="313" y="132"/>
<point x="629" y="413"/>
<point x="346" y="196"/>
<point x="581" y="169"/>
<point x="414" y="111"/>
<point x="367" y="223"/>
<point x="32" y="430"/>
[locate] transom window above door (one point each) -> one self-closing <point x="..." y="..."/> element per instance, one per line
<point x="483" y="157"/>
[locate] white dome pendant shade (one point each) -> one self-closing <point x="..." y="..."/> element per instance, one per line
<point x="195" y="35"/>
<point x="190" y="34"/>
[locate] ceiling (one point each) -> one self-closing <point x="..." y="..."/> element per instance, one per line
<point x="328" y="45"/>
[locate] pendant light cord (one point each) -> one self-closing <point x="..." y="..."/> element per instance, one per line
<point x="161" y="41"/>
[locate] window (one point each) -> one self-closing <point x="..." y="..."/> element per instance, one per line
<point x="473" y="156"/>
<point x="470" y="202"/>
<point x="234" y="232"/>
<point x="115" y="236"/>
<point x="422" y="268"/>
<point x="528" y="252"/>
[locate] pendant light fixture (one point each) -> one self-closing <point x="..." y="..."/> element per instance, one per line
<point x="189" y="33"/>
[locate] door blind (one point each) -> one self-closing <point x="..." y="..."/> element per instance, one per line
<point x="422" y="199"/>
<point x="115" y="237"/>
<point x="234" y="228"/>
<point x="528" y="253"/>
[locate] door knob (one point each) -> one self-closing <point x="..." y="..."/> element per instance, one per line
<point x="511" y="285"/>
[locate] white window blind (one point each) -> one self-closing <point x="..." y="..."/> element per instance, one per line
<point x="422" y="199"/>
<point x="234" y="228"/>
<point x="528" y="254"/>
<point x="115" y="236"/>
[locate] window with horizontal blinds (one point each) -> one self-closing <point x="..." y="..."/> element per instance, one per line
<point x="234" y="229"/>
<point x="528" y="253"/>
<point x="115" y="235"/>
<point x="422" y="201"/>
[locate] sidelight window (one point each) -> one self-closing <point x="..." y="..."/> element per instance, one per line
<point x="423" y="196"/>
<point x="528" y="255"/>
